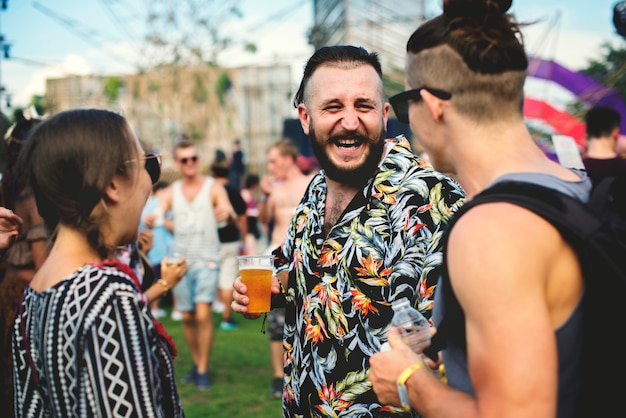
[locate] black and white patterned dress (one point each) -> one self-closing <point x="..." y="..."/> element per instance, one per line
<point x="90" y="347"/>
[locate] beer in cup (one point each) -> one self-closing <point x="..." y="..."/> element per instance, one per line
<point x="172" y="256"/>
<point x="256" y="273"/>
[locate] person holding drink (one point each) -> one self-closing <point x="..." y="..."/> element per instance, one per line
<point x="84" y="339"/>
<point x="365" y="233"/>
<point x="256" y="274"/>
<point x="162" y="235"/>
<point x="198" y="204"/>
<point x="511" y="291"/>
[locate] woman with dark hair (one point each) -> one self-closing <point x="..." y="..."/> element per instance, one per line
<point x="84" y="339"/>
<point x="250" y="193"/>
<point x="511" y="286"/>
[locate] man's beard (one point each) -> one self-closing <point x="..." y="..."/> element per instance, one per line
<point x="356" y="176"/>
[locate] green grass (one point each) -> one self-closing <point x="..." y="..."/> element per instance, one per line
<point x="240" y="368"/>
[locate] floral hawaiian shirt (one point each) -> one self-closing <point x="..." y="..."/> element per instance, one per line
<point x="385" y="246"/>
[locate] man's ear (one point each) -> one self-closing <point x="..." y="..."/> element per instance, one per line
<point x="305" y="119"/>
<point x="386" y="108"/>
<point x="434" y="104"/>
<point x="615" y="133"/>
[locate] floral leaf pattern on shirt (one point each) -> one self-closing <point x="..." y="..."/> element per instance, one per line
<point x="386" y="245"/>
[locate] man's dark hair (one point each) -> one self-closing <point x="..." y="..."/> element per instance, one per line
<point x="475" y="51"/>
<point x="480" y="31"/>
<point x="601" y="121"/>
<point x="336" y="55"/>
<point x="220" y="169"/>
<point x="251" y="180"/>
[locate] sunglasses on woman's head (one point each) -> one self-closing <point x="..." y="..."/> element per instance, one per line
<point x="192" y="159"/>
<point x="153" y="166"/>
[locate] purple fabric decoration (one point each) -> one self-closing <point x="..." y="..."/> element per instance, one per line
<point x="585" y="88"/>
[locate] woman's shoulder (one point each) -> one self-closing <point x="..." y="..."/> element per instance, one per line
<point x="109" y="279"/>
<point x="96" y="287"/>
<point x="88" y="292"/>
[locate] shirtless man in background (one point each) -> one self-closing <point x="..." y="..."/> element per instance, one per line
<point x="282" y="189"/>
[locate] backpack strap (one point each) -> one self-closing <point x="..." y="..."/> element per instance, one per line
<point x="576" y="222"/>
<point x="580" y="224"/>
<point x="597" y="232"/>
<point x="570" y="216"/>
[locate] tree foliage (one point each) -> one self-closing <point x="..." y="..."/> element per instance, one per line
<point x="189" y="32"/>
<point x="611" y="70"/>
<point x="112" y="87"/>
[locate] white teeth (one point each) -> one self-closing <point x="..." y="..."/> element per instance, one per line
<point x="347" y="142"/>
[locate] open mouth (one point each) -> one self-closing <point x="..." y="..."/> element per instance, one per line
<point x="348" y="142"/>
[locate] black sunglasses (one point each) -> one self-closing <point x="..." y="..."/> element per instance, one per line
<point x="400" y="101"/>
<point x="193" y="159"/>
<point x="153" y="166"/>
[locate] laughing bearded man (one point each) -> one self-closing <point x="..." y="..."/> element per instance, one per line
<point x="365" y="233"/>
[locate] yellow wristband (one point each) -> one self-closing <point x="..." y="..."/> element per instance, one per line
<point x="404" y="376"/>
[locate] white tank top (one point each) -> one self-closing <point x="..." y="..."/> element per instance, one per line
<point x="195" y="228"/>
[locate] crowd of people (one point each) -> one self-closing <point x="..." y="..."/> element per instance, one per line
<point x="89" y="243"/>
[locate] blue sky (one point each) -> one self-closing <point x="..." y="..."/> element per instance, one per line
<point x="91" y="36"/>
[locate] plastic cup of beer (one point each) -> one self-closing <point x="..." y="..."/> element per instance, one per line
<point x="256" y="273"/>
<point x="172" y="256"/>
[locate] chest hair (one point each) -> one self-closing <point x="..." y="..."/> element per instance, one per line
<point x="336" y="203"/>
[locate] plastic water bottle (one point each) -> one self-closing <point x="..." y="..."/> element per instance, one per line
<point x="411" y="324"/>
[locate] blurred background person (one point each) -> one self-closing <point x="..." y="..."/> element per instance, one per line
<point x="249" y="193"/>
<point x="231" y="234"/>
<point x="198" y="204"/>
<point x="10" y="225"/>
<point x="282" y="190"/>
<point x="602" y="160"/>
<point x="237" y="166"/>
<point x="162" y="236"/>
<point x="25" y="256"/>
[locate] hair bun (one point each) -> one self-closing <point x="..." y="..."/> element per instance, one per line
<point x="474" y="8"/>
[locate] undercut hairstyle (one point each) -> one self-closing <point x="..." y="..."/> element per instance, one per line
<point x="475" y="51"/>
<point x="340" y="56"/>
<point x="601" y="121"/>
<point x="69" y="160"/>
